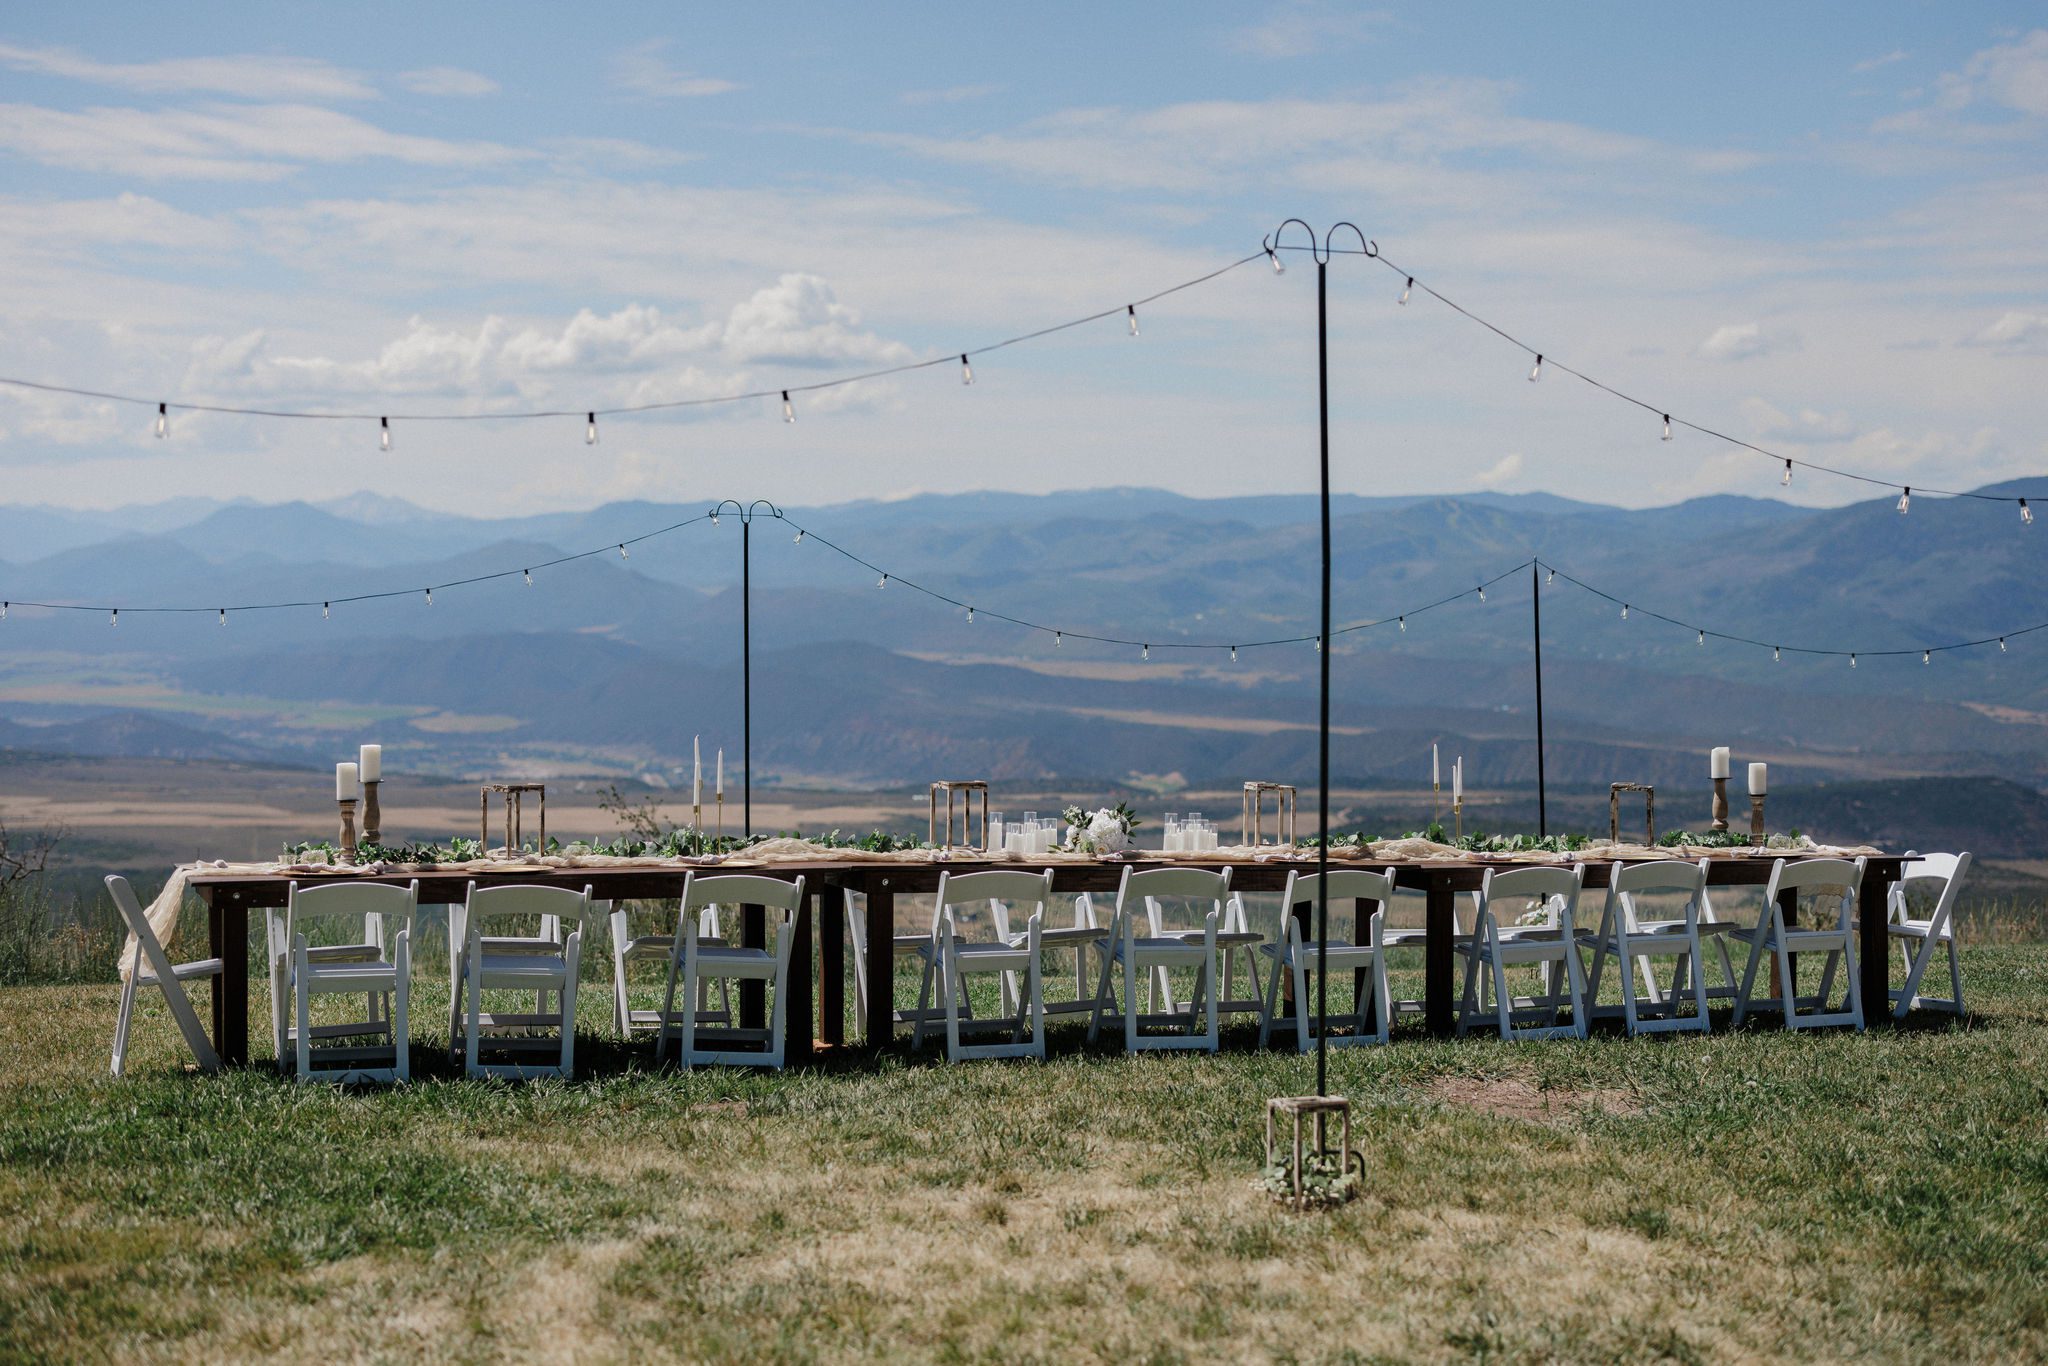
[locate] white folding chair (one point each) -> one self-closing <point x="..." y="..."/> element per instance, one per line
<point x="1394" y="937"/>
<point x="950" y="959"/>
<point x="1087" y="932"/>
<point x="1543" y="904"/>
<point x="693" y="961"/>
<point x="1235" y="938"/>
<point x="900" y="946"/>
<point x="1149" y="956"/>
<point x="152" y="967"/>
<point x="278" y="945"/>
<point x="1633" y="940"/>
<point x="532" y="962"/>
<point x="1300" y="955"/>
<point x="629" y="948"/>
<point x="345" y="970"/>
<point x="1821" y="880"/>
<point x="1936" y="932"/>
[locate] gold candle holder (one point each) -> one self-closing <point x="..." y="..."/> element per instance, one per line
<point x="721" y="817"/>
<point x="1436" y="801"/>
<point x="1720" y="805"/>
<point x="373" y="817"/>
<point x="1458" y="819"/>
<point x="1756" y="818"/>
<point x="697" y="824"/>
<point x="348" y="828"/>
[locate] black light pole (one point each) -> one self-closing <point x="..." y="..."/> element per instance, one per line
<point x="1536" y="633"/>
<point x="746" y="514"/>
<point x="1321" y="252"/>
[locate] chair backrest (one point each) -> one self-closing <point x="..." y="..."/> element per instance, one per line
<point x="521" y="901"/>
<point x="1944" y="867"/>
<point x="1554" y="889"/>
<point x="149" y="951"/>
<point x="1660" y="875"/>
<point x="742" y="889"/>
<point x="356" y="902"/>
<point x="1208" y="889"/>
<point x="1345" y="886"/>
<point x="1002" y="887"/>
<point x="1817" y="877"/>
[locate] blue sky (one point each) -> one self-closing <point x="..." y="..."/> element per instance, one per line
<point x="1815" y="226"/>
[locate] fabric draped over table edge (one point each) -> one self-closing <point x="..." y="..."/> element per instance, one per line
<point x="162" y="913"/>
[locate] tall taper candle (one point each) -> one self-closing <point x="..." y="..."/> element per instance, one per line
<point x="1435" y="772"/>
<point x="719" y="784"/>
<point x="1458" y="779"/>
<point x="697" y="770"/>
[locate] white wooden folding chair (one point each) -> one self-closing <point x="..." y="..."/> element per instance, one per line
<point x="1235" y="939"/>
<point x="1137" y="956"/>
<point x="152" y="967"/>
<point x="278" y="956"/>
<point x="1831" y="931"/>
<point x="1087" y="932"/>
<point x="949" y="959"/>
<point x="1301" y="955"/>
<point x="629" y="948"/>
<point x="1398" y="937"/>
<point x="1526" y="917"/>
<point x="342" y="969"/>
<point x="532" y="962"/>
<point x="693" y="961"/>
<point x="901" y="946"/>
<point x="1931" y="935"/>
<point x="1633" y="940"/>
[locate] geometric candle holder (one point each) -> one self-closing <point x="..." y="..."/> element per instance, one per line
<point x="967" y="790"/>
<point x="1283" y="813"/>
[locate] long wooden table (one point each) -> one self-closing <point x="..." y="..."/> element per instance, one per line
<point x="816" y="1011"/>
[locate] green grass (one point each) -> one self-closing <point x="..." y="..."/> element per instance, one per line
<point x="1744" y="1195"/>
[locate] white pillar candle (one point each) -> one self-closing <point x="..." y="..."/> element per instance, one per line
<point x="345" y="785"/>
<point x="1718" y="762"/>
<point x="371" y="767"/>
<point x="1758" y="778"/>
<point x="719" y="785"/>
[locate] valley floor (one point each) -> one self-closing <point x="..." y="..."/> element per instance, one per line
<point x="1746" y="1195"/>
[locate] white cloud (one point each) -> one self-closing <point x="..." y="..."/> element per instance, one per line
<point x="1502" y="471"/>
<point x="1767" y="422"/>
<point x="447" y="80"/>
<point x="799" y="320"/>
<point x="2014" y="75"/>
<point x="250" y="76"/>
<point x="1297" y="28"/>
<point x="220" y="142"/>
<point x="952" y="94"/>
<point x="2014" y="330"/>
<point x="1745" y="341"/>
<point x="643" y="71"/>
<point x="1895" y="55"/>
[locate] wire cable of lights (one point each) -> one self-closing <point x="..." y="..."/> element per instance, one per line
<point x="590" y="414"/>
<point x="1778" y="648"/>
<point x="1548" y="360"/>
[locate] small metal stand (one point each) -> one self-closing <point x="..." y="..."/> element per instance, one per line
<point x="515" y="803"/>
<point x="1317" y="1109"/>
<point x="1254" y="812"/>
<point x="1756" y="819"/>
<point x="373" y="818"/>
<point x="348" y="828"/>
<point x="1614" y="791"/>
<point x="967" y="789"/>
<point x="1720" y="805"/>
<point x="1457" y="820"/>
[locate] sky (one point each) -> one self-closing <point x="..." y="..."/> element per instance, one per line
<point x="1815" y="227"/>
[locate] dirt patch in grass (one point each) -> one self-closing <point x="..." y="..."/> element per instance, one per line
<point x="1513" y="1098"/>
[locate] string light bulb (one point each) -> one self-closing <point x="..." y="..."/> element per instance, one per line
<point x="714" y="516"/>
<point x="1058" y="639"/>
<point x="1233" y="654"/>
<point x="1777" y="653"/>
<point x="1406" y="290"/>
<point x="622" y="552"/>
<point x="527" y="574"/>
<point x="1787" y="480"/>
<point x="1667" y="426"/>
<point x="114" y="617"/>
<point x="1319" y="644"/>
<point x="1624" y="611"/>
<point x="1402" y="622"/>
<point x="2001" y="640"/>
<point x="2026" y="513"/>
<point x="384" y="433"/>
<point x="430" y="597"/>
<point x="1131" y="311"/>
<point x="3" y="611"/>
<point x="882" y="582"/>
<point x="970" y="616"/>
<point x="1927" y="656"/>
<point x="1274" y="257"/>
<point x="1852" y="661"/>
<point x="1146" y="653"/>
<point x="788" y="408"/>
<point x="1536" y="370"/>
<point x="966" y="370"/>
<point x="799" y="539"/>
<point x="1906" y="500"/>
<point x="590" y="432"/>
<point x="223" y="616"/>
<point x="1703" y="638"/>
<point x="1482" y="592"/>
<point x="326" y="610"/>
<point x="163" y="420"/>
<point x="1551" y="577"/>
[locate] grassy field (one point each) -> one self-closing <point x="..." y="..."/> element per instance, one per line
<point x="1748" y="1195"/>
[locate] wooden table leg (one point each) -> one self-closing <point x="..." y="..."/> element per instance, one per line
<point x="797" y="1030"/>
<point x="1361" y="933"/>
<point x="1439" y="985"/>
<point x="227" y="938"/>
<point x="881" y="960"/>
<point x="1873" y="947"/>
<point x="831" y="923"/>
<point x="753" y="994"/>
<point x="1788" y="992"/>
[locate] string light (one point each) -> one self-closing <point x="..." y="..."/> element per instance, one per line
<point x="1551" y="577"/>
<point x="1482" y="592"/>
<point x="714" y="516"/>
<point x="1131" y="311"/>
<point x="163" y="420"/>
<point x="527" y="574"/>
<point x="1852" y="661"/>
<point x="2001" y="645"/>
<point x="384" y="433"/>
<point x="3" y="611"/>
<point x="970" y="616"/>
<point x="622" y="553"/>
<point x="1402" y="622"/>
<point x="223" y="616"/>
<point x="590" y="432"/>
<point x="1624" y="611"/>
<point x="799" y="538"/>
<point x="1787" y="480"/>
<point x="883" y="582"/>
<point x="1058" y="639"/>
<point x="430" y="597"/>
<point x="1274" y="257"/>
<point x="1776" y="656"/>
<point x="1927" y="656"/>
<point x="1536" y="370"/>
<point x="326" y="610"/>
<point x="788" y="408"/>
<point x="1146" y="653"/>
<point x="1233" y="654"/>
<point x="1319" y="644"/>
<point x="1406" y="290"/>
<point x="966" y="370"/>
<point x="1667" y="426"/>
<point x="1906" y="500"/>
<point x="2026" y="513"/>
<point x="114" y="617"/>
<point x="1703" y="638"/>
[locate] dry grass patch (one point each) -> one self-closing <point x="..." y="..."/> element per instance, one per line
<point x="1514" y="1098"/>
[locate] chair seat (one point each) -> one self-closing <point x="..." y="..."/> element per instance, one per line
<point x="343" y="953"/>
<point x="520" y="969"/>
<point x="1794" y="939"/>
<point x="984" y="955"/>
<point x="1917" y="929"/>
<point x="654" y="945"/>
<point x="504" y="944"/>
<point x="1161" y="948"/>
<point x="1338" y="956"/>
<point x="184" y="972"/>
<point x="1224" y="938"/>
<point x="1406" y="938"/>
<point x="349" y="976"/>
<point x="1667" y="932"/>
<point x="731" y="960"/>
<point x="1065" y="937"/>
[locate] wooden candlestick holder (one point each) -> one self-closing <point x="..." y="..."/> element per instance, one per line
<point x="1720" y="805"/>
<point x="373" y="816"/>
<point x="348" y="828"/>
